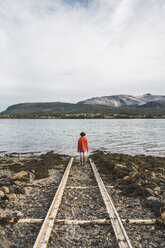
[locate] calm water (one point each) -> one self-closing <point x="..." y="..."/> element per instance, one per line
<point x="121" y="136"/>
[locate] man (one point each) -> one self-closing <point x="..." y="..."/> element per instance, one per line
<point x="82" y="148"/>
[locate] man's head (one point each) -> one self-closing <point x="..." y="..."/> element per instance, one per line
<point x="82" y="134"/>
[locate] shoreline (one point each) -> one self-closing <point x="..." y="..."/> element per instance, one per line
<point x="29" y="183"/>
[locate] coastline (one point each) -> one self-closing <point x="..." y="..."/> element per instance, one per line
<point x="139" y="180"/>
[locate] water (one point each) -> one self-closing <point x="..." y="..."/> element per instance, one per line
<point x="131" y="136"/>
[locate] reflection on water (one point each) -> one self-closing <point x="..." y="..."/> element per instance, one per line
<point x="121" y="136"/>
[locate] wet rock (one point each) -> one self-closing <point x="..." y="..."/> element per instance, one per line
<point x="22" y="176"/>
<point x="148" y="192"/>
<point x="155" y="204"/>
<point x="11" y="197"/>
<point x="5" y="189"/>
<point x="2" y="194"/>
<point x="19" y="176"/>
<point x="132" y="187"/>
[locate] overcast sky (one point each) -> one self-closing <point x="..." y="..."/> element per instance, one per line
<point x="71" y="50"/>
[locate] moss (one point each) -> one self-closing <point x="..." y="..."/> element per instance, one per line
<point x="41" y="165"/>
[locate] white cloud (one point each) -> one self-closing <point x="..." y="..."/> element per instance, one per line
<point x="56" y="50"/>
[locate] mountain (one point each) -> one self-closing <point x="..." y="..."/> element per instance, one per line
<point x="54" y="107"/>
<point x="104" y="107"/>
<point x="153" y="104"/>
<point x="124" y="100"/>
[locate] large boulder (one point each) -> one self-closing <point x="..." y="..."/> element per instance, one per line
<point x="22" y="176"/>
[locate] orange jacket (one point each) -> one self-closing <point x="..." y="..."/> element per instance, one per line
<point x="82" y="144"/>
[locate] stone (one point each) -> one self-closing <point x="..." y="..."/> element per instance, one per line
<point x="18" y="190"/>
<point x="133" y="173"/>
<point x="2" y="194"/>
<point x="18" y="176"/>
<point x="2" y="233"/>
<point x="162" y="211"/>
<point x="120" y="167"/>
<point x="132" y="187"/>
<point x="11" y="197"/>
<point x="2" y="214"/>
<point x="11" y="188"/>
<point x="22" y="177"/>
<point x="127" y="178"/>
<point x="5" y="189"/>
<point x="148" y="192"/>
<point x="19" y="183"/>
<point x="155" y="204"/>
<point x="150" y="199"/>
<point x="31" y="177"/>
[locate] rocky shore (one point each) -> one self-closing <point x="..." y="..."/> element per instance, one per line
<point x="136" y="176"/>
<point x="28" y="185"/>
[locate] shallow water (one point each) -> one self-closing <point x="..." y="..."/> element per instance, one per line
<point x="131" y="136"/>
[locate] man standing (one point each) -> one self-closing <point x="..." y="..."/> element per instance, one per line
<point x="82" y="148"/>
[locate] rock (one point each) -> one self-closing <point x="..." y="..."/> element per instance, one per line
<point x="2" y="214"/>
<point x="11" y="217"/>
<point x="2" y="194"/>
<point x="5" y="189"/>
<point x="120" y="167"/>
<point x="22" y="176"/>
<point x="162" y="211"/>
<point x="120" y="170"/>
<point x="2" y="233"/>
<point x="31" y="177"/>
<point x="148" y="192"/>
<point x="155" y="204"/>
<point x="150" y="199"/>
<point x="132" y="187"/>
<point x="18" y="190"/>
<point x="11" y="197"/>
<point x="11" y="188"/>
<point x="133" y="173"/>
<point x="19" y="176"/>
<point x="126" y="178"/>
<point x="20" y="183"/>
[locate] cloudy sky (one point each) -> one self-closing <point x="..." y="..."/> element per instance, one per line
<point x="71" y="50"/>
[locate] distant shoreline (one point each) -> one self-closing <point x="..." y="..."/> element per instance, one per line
<point x="83" y="116"/>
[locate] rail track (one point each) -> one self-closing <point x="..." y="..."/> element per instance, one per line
<point x="50" y="219"/>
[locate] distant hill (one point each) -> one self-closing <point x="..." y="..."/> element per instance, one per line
<point x="54" y="107"/>
<point x="126" y="100"/>
<point x="68" y="110"/>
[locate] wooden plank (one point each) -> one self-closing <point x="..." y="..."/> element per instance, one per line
<point x="86" y="187"/>
<point x="119" y="230"/>
<point x="98" y="221"/>
<point x="46" y="228"/>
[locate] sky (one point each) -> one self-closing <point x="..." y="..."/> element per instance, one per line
<point x="72" y="50"/>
